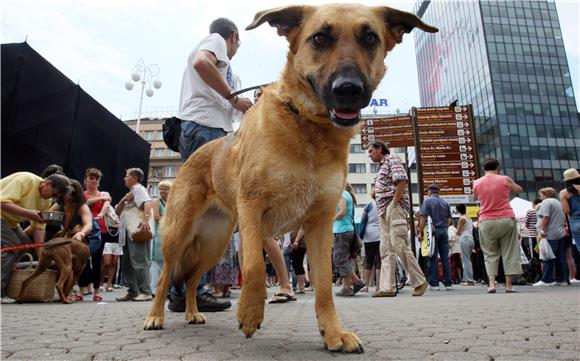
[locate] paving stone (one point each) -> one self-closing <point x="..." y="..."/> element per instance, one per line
<point x="209" y="356"/>
<point x="530" y="327"/>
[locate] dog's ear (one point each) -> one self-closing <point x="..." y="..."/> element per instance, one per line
<point x="283" y="18"/>
<point x="401" y="22"/>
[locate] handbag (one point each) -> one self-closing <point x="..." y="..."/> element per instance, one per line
<point x="428" y="243"/>
<point x="546" y="252"/>
<point x="142" y="235"/>
<point x="112" y="222"/>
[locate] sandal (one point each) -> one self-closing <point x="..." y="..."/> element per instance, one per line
<point x="97" y="298"/>
<point x="491" y="290"/>
<point x="79" y="297"/>
<point x="281" y="297"/>
<point x="110" y="289"/>
<point x="511" y="290"/>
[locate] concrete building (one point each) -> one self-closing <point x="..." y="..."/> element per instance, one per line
<point x="507" y="58"/>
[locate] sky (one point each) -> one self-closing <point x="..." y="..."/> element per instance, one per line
<point x="98" y="43"/>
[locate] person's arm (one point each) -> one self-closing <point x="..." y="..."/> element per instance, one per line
<point x="460" y="224"/>
<point x="104" y="197"/>
<point x="87" y="219"/>
<point x="564" y="195"/>
<point x="155" y="207"/>
<point x="341" y="209"/>
<point x="421" y="225"/>
<point x="514" y="188"/>
<point x="104" y="210"/>
<point x="544" y="225"/>
<point x="29" y="214"/>
<point x="38" y="235"/>
<point x="399" y="191"/>
<point x="146" y="214"/>
<point x="121" y="205"/>
<point x="205" y="64"/>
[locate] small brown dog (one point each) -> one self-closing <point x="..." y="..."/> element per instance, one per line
<point x="287" y="164"/>
<point x="70" y="257"/>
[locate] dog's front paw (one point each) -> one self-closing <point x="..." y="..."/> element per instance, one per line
<point x="250" y="314"/>
<point x="343" y="342"/>
<point x="195" y="318"/>
<point x="153" y="323"/>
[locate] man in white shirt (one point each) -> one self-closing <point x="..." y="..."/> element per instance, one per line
<point x="205" y="103"/>
<point x="206" y="112"/>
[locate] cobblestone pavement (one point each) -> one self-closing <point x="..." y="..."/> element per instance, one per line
<point x="463" y="324"/>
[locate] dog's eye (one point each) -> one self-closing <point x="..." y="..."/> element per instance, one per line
<point x="371" y="39"/>
<point x="319" y="39"/>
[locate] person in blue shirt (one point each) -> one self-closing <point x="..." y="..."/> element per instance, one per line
<point x="440" y="212"/>
<point x="343" y="229"/>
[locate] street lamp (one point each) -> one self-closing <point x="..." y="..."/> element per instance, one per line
<point x="147" y="75"/>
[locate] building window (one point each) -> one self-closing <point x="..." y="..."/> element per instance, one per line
<point x="154" y="190"/>
<point x="356" y="148"/>
<point x="148" y="135"/>
<point x="359" y="188"/>
<point x="357" y="168"/>
<point x="158" y="152"/>
<point x="170" y="171"/>
<point x="375" y="167"/>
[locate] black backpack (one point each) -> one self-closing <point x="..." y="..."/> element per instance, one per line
<point x="171" y="133"/>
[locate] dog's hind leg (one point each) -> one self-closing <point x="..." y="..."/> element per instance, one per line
<point x="65" y="275"/>
<point x="250" y="312"/>
<point x="43" y="263"/>
<point x="318" y="236"/>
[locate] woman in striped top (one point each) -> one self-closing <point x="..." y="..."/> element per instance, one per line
<point x="529" y="243"/>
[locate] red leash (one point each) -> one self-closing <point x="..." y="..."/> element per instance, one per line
<point x="22" y="247"/>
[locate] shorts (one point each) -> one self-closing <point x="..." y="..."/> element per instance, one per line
<point x="113" y="248"/>
<point x="372" y="255"/>
<point x="341" y="253"/>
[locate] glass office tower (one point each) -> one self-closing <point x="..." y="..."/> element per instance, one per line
<point x="507" y="58"/>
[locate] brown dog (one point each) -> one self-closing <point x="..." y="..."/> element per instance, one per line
<point x="70" y="259"/>
<point x="287" y="164"/>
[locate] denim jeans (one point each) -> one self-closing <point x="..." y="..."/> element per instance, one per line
<point x="441" y="249"/>
<point x="559" y="263"/>
<point x="194" y="135"/>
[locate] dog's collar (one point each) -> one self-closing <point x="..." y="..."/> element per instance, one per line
<point x="298" y="109"/>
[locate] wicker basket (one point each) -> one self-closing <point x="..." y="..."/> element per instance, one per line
<point x="41" y="289"/>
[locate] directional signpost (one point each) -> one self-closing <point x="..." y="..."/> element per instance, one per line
<point x="447" y="151"/>
<point x="445" y="144"/>
<point x="394" y="132"/>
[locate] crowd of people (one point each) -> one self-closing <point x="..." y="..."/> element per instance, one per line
<point x="127" y="234"/>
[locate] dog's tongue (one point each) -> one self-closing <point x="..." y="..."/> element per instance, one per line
<point x="346" y="114"/>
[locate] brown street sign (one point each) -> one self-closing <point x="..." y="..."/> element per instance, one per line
<point x="447" y="147"/>
<point x="448" y="165"/>
<point x="439" y="132"/>
<point x="430" y="157"/>
<point x="442" y="110"/>
<point x="439" y="172"/>
<point x="394" y="131"/>
<point x="449" y="182"/>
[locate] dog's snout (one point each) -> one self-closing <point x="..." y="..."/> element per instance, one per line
<point x="347" y="88"/>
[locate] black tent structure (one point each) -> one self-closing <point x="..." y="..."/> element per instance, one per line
<point x="48" y="119"/>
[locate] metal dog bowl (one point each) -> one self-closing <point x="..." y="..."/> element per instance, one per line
<point x="52" y="217"/>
